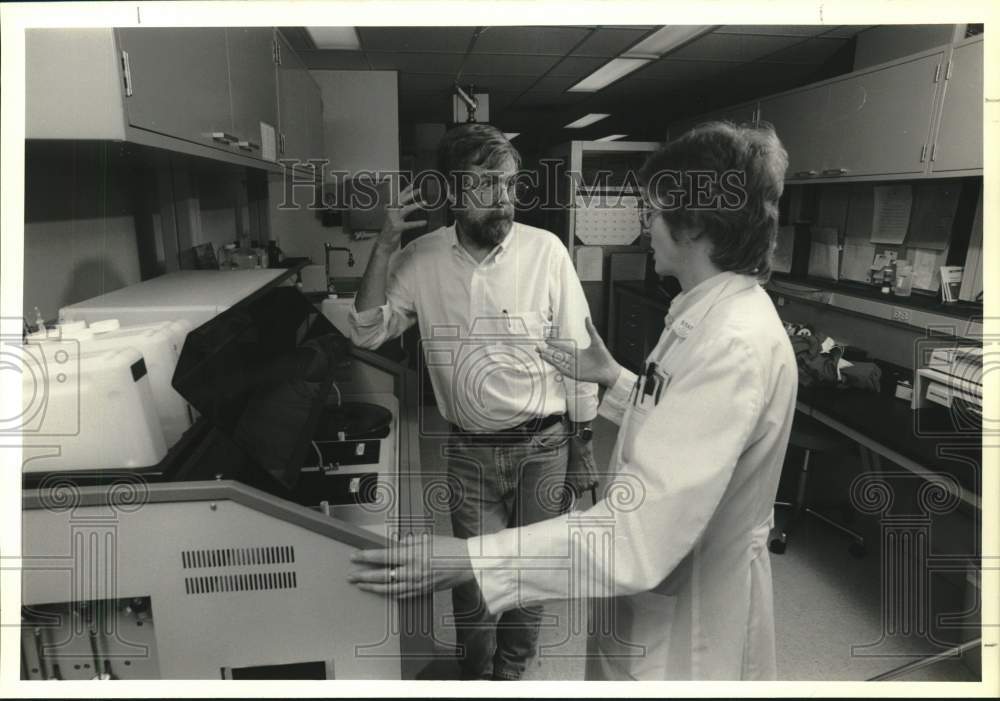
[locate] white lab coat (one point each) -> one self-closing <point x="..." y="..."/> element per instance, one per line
<point x="675" y="556"/>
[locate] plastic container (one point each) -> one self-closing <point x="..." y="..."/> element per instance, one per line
<point x="903" y="282"/>
<point x="160" y="345"/>
<point x="88" y="410"/>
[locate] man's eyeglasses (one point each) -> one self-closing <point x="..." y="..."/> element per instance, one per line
<point x="490" y="190"/>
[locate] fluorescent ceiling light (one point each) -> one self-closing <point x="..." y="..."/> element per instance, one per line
<point x="586" y="120"/>
<point x="612" y="137"/>
<point x="665" y="40"/>
<point x="511" y="135"/>
<point x="608" y="73"/>
<point x="343" y="38"/>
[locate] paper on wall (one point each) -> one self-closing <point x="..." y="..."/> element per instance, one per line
<point x="268" y="142"/>
<point x="608" y="219"/>
<point x="857" y="260"/>
<point x="590" y="263"/>
<point x="925" y="268"/>
<point x="824" y="253"/>
<point x="783" y="250"/>
<point x="934" y="207"/>
<point x="891" y="213"/>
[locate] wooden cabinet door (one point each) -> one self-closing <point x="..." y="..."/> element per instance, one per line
<point x="252" y="82"/>
<point x="801" y="122"/>
<point x="959" y="142"/>
<point x="179" y="82"/>
<point x="879" y="122"/>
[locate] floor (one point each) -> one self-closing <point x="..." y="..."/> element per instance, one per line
<point x="826" y="602"/>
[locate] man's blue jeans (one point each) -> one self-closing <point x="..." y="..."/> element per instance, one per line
<point x="502" y="484"/>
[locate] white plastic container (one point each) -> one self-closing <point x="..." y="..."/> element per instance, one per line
<point x="88" y="410"/>
<point x="159" y="344"/>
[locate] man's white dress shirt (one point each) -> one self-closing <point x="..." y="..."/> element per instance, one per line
<point x="481" y="322"/>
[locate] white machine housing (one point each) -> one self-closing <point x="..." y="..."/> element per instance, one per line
<point x="159" y="343"/>
<point x="88" y="410"/>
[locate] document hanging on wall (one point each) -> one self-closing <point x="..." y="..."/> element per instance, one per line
<point x="824" y="253"/>
<point x="590" y="263"/>
<point x="934" y="208"/>
<point x="891" y="217"/>
<point x="607" y="219"/>
<point x="857" y="261"/>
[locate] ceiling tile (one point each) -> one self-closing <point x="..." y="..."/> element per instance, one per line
<point x="679" y="71"/>
<point x="417" y="62"/>
<point x="578" y="66"/>
<point x="535" y="98"/>
<point x="799" y="30"/>
<point x="733" y="47"/>
<point x="848" y="30"/>
<point x="555" y="41"/>
<point x="441" y="39"/>
<point x="506" y="64"/>
<point x="421" y="82"/>
<point x="497" y="82"/>
<point x="607" y="43"/>
<point x="810" y="51"/>
<point x="556" y="83"/>
<point x="334" y="60"/>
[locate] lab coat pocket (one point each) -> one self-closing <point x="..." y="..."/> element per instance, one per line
<point x="634" y="636"/>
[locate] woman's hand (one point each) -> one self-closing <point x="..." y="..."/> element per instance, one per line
<point x="412" y="567"/>
<point x="394" y="226"/>
<point x="591" y="364"/>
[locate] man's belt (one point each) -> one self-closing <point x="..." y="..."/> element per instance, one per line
<point x="522" y="430"/>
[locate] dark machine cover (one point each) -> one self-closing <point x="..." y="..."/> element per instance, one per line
<point x="259" y="374"/>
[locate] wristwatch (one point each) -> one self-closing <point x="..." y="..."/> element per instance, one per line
<point x="585" y="433"/>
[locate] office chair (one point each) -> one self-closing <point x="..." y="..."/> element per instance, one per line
<point x="811" y="437"/>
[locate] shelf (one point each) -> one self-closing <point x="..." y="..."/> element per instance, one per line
<point x="962" y="319"/>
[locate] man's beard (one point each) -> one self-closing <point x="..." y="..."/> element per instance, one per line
<point x="488" y="231"/>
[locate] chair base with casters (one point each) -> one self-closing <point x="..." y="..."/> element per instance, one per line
<point x="811" y="437"/>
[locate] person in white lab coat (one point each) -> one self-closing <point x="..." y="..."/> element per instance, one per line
<point x="675" y="556"/>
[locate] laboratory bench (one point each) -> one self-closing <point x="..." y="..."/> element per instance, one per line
<point x="923" y="441"/>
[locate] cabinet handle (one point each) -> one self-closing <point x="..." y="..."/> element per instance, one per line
<point x="247" y="145"/>
<point x="805" y="174"/>
<point x="223" y="137"/>
<point x="835" y="171"/>
<point x="281" y="143"/>
<point x="127" y="74"/>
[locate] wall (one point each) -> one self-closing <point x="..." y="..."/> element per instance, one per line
<point x="888" y="42"/>
<point x="80" y="228"/>
<point x="360" y="132"/>
<point x="360" y="119"/>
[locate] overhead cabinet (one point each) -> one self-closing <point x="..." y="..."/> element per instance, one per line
<point x="176" y="82"/>
<point x="958" y="147"/>
<point x="300" y="105"/>
<point x="913" y="117"/>
<point x="206" y="91"/>
<point x="871" y="123"/>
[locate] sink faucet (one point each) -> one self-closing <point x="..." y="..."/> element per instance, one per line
<point x="328" y="249"/>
